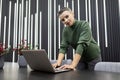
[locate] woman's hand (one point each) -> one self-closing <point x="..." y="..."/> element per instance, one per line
<point x="66" y="66"/>
<point x="59" y="61"/>
<point x="56" y="65"/>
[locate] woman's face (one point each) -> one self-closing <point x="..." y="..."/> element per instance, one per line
<point x="67" y="18"/>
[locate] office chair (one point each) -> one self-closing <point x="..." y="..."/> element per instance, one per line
<point x="108" y="66"/>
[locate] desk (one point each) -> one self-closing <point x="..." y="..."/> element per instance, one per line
<point x="11" y="71"/>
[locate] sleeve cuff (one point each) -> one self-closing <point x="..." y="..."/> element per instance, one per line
<point x="79" y="49"/>
<point x="62" y="51"/>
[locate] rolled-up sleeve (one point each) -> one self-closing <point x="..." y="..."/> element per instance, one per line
<point x="64" y="44"/>
<point x="84" y="38"/>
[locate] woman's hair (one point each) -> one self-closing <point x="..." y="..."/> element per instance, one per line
<point x="63" y="9"/>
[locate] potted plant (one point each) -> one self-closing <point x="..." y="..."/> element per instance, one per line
<point x="3" y="50"/>
<point x="22" y="46"/>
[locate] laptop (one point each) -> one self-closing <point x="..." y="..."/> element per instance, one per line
<point x="38" y="60"/>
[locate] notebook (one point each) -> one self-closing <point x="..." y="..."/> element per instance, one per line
<point x="38" y="60"/>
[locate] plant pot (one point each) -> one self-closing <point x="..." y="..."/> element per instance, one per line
<point x="1" y="62"/>
<point x="22" y="61"/>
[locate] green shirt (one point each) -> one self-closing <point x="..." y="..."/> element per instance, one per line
<point x="79" y="36"/>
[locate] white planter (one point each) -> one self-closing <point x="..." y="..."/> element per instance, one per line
<point x="21" y="61"/>
<point x="1" y="62"/>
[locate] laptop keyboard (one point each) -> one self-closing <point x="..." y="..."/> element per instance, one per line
<point x="58" y="69"/>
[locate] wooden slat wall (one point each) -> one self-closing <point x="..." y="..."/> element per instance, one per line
<point x="37" y="22"/>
